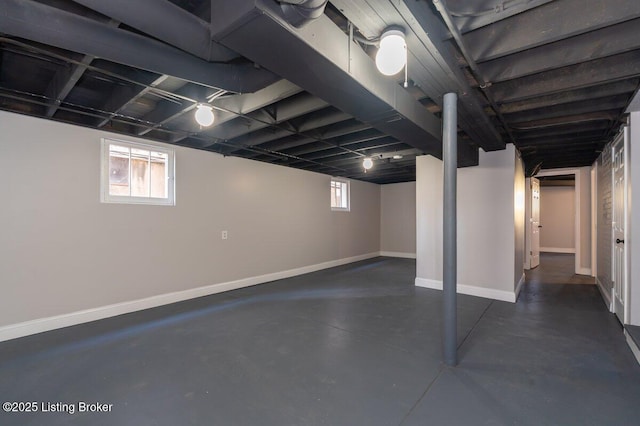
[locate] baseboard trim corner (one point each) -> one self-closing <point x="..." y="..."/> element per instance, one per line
<point x="584" y="271"/>
<point x="398" y="254"/>
<point x="605" y="295"/>
<point x="519" y="286"/>
<point x="632" y="345"/>
<point x="40" y="325"/>
<point x="487" y="293"/>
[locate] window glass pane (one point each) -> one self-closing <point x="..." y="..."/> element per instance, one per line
<point x="339" y="195"/>
<point x="118" y="170"/>
<point x="137" y="174"/>
<point x="334" y="202"/>
<point x="335" y="194"/>
<point x="159" y="179"/>
<point x="140" y="173"/>
<point x="343" y="202"/>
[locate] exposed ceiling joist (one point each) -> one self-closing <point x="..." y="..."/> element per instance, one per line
<point x="545" y="24"/>
<point x="166" y="22"/>
<point x="45" y="24"/>
<point x="607" y="41"/>
<point x="66" y="79"/>
<point x="330" y="149"/>
<point x="563" y="130"/>
<point x="432" y="64"/>
<point x="578" y="95"/>
<point x="63" y="82"/>
<point x="480" y="13"/>
<point x="343" y="132"/>
<point x="586" y="74"/>
<point x="546" y="123"/>
<point x="235" y="107"/>
<point x="125" y="95"/>
<point x="562" y="91"/>
<point x="257" y="131"/>
<point x="375" y="150"/>
<point x="321" y="59"/>
<point x="572" y="108"/>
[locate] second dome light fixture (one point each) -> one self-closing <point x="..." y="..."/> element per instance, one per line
<point x="204" y="115"/>
<point x="392" y="54"/>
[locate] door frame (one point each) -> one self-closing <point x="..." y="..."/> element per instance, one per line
<point x="577" y="201"/>
<point x="626" y="143"/>
<point x="594" y="219"/>
<point x="528" y="212"/>
<point x="527" y="223"/>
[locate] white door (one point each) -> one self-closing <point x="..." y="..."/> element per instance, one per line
<point x="535" y="222"/>
<point x="619" y="222"/>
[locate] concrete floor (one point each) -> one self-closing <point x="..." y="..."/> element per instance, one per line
<point x="353" y="345"/>
<point x="634" y="332"/>
<point x="557" y="268"/>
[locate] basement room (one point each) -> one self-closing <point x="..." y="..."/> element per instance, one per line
<point x="319" y="212"/>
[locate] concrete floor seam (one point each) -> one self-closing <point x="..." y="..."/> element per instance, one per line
<point x="475" y="325"/>
<point x="426" y="391"/>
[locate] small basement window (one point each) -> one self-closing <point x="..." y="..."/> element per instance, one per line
<point x="340" y="193"/>
<point x="134" y="173"/>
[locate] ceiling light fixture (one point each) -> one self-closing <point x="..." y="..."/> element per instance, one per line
<point x="397" y="157"/>
<point x="367" y="163"/>
<point x="392" y="55"/>
<point x="204" y="115"/>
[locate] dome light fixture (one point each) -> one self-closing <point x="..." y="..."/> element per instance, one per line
<point x="204" y="115"/>
<point x="392" y="55"/>
<point x="367" y="163"/>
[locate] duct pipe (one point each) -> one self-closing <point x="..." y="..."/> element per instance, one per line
<point x="328" y="68"/>
<point x="449" y="254"/>
<point x="300" y="12"/>
<point x="52" y="26"/>
<point x="167" y="22"/>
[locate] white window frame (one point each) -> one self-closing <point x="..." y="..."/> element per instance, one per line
<point x="106" y="197"/>
<point x="348" y="187"/>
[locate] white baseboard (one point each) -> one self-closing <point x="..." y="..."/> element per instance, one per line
<point x="633" y="346"/>
<point x="489" y="293"/>
<point x="606" y="295"/>
<point x="519" y="286"/>
<point x="584" y="271"/>
<point x="557" y="250"/>
<point x="40" y="325"/>
<point x="398" y="254"/>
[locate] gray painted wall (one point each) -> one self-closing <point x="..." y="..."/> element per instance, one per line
<point x="398" y="218"/>
<point x="63" y="251"/>
<point x="557" y="216"/>
<point x="519" y="216"/>
<point x="585" y="220"/>
<point x="489" y="263"/>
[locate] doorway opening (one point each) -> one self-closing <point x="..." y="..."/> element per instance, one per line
<point x="559" y="219"/>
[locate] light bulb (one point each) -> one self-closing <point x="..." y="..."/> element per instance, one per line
<point x="367" y="163"/>
<point x="204" y="115"/>
<point x="392" y="55"/>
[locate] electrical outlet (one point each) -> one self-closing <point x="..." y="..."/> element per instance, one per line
<point x="225" y="235"/>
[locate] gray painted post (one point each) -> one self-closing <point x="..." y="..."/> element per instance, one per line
<point x="450" y="158"/>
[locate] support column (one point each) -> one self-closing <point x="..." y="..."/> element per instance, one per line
<point x="449" y="282"/>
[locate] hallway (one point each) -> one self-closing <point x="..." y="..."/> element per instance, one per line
<point x="353" y="345"/>
<point x="557" y="268"/>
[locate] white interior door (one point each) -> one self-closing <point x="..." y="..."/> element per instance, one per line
<point x="535" y="222"/>
<point x="619" y="222"/>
